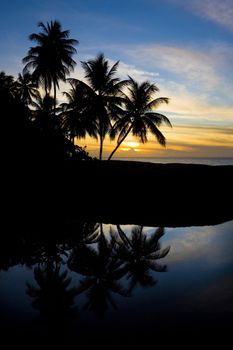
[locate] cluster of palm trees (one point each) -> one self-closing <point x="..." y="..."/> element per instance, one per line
<point x="99" y="106"/>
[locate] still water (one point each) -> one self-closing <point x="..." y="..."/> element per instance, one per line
<point x="113" y="283"/>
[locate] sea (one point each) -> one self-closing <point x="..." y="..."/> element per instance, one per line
<point x="165" y="160"/>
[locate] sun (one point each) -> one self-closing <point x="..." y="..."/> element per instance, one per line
<point x="130" y="146"/>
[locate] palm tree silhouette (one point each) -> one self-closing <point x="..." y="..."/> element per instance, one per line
<point x="26" y="88"/>
<point x="138" y="115"/>
<point x="73" y="119"/>
<point x="43" y="112"/>
<point x="51" y="60"/>
<point x="7" y="87"/>
<point x="139" y="252"/>
<point x="103" y="95"/>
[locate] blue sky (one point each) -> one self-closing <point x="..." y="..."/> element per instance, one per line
<point x="184" y="46"/>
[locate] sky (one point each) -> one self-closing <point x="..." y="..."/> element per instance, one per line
<point x="185" y="47"/>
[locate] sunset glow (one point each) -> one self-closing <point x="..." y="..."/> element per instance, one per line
<point x="186" y="51"/>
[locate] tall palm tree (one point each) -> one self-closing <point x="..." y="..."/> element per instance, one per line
<point x="103" y="92"/>
<point x="51" y="60"/>
<point x="26" y="88"/>
<point x="139" y="116"/>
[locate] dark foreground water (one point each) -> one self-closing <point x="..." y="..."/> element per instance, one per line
<point x="107" y="284"/>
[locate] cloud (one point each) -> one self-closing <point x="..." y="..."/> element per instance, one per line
<point x="217" y="11"/>
<point x="197" y="80"/>
<point x="138" y="74"/>
<point x="197" y="67"/>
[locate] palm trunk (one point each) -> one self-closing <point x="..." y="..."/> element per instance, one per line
<point x="101" y="141"/>
<point x="101" y="147"/>
<point x="120" y="142"/>
<point x="55" y="96"/>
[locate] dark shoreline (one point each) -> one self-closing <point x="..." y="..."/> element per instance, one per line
<point x="160" y="194"/>
<point x="125" y="192"/>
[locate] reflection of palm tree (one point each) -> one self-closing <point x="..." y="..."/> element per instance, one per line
<point x="82" y="233"/>
<point x="139" y="117"/>
<point x="139" y="252"/>
<point x="102" y="94"/>
<point x="51" y="60"/>
<point x="102" y="269"/>
<point x="52" y="297"/>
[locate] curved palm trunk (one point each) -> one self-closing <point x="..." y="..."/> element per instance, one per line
<point x="55" y="96"/>
<point x="120" y="142"/>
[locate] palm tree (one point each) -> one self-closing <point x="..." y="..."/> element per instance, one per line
<point x="51" y="60"/>
<point x="139" y="252"/>
<point x="7" y="87"/>
<point x="26" y="88"/>
<point x="43" y="112"/>
<point x="102" y="95"/>
<point x="139" y="117"/>
<point x="73" y="118"/>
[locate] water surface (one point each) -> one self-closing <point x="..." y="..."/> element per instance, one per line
<point x="112" y="282"/>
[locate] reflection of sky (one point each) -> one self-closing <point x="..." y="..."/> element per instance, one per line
<point x="200" y="269"/>
<point x="199" y="282"/>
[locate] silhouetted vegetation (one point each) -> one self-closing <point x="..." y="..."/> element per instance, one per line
<point x="99" y="106"/>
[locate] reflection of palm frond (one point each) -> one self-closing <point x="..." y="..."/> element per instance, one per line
<point x="51" y="297"/>
<point x="83" y="233"/>
<point x="102" y="270"/>
<point x="139" y="252"/>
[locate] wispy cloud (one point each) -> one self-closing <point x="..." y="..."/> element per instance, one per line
<point x="218" y="11"/>
<point x="138" y="74"/>
<point x="196" y="66"/>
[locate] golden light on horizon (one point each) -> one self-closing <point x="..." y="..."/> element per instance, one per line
<point x="182" y="141"/>
<point x="130" y="144"/>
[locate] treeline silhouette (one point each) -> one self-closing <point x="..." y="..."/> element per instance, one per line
<point x="41" y="128"/>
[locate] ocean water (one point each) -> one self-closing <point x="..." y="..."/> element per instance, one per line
<point x="207" y="161"/>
